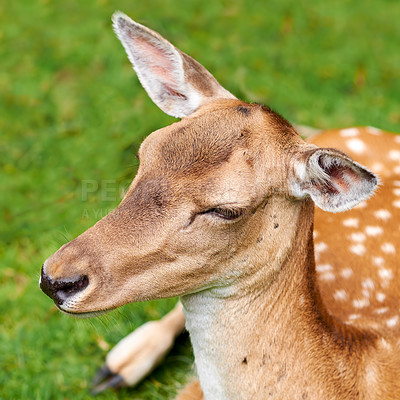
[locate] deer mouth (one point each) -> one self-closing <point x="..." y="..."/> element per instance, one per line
<point x="82" y="315"/>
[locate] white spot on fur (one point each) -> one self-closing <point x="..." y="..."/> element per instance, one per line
<point x="346" y="273"/>
<point x="340" y="295"/>
<point x="351" y="222"/>
<point x="396" y="204"/>
<point x="357" y="237"/>
<point x="378" y="261"/>
<point x="363" y="204"/>
<point x="392" y="321"/>
<point x="396" y="169"/>
<point x="356" y="145"/>
<point x="397" y="138"/>
<point x="385" y="274"/>
<point x="327" y="276"/>
<point x="377" y="167"/>
<point x="396" y="192"/>
<point x="320" y="247"/>
<point x="382" y="214"/>
<point x="380" y="297"/>
<point x="396" y="183"/>
<point x="394" y="155"/>
<point x="358" y="249"/>
<point x="354" y="316"/>
<point x="366" y="293"/>
<point x="373" y="130"/>
<point x="381" y="310"/>
<point x="388" y="248"/>
<point x="368" y="283"/>
<point x="349" y="132"/>
<point x="324" y="268"/>
<point x="373" y="230"/>
<point x="315" y="234"/>
<point x="361" y="303"/>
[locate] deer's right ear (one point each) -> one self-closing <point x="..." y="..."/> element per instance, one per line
<point x="175" y="82"/>
<point x="332" y="179"/>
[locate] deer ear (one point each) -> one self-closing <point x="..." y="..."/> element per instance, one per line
<point x="333" y="180"/>
<point x="175" y="82"/>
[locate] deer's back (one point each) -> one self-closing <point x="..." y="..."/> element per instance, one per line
<point x="358" y="252"/>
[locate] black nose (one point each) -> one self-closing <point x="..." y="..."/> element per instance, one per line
<point x="61" y="291"/>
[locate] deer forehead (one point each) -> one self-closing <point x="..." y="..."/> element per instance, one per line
<point x="230" y="133"/>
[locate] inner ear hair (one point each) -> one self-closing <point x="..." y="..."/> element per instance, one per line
<point x="333" y="180"/>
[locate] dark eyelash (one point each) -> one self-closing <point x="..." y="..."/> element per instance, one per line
<point x="225" y="213"/>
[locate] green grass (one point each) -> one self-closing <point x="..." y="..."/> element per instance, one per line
<point x="72" y="114"/>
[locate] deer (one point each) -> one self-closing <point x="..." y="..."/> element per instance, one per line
<point x="279" y="302"/>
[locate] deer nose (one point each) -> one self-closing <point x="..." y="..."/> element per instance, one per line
<point x="61" y="290"/>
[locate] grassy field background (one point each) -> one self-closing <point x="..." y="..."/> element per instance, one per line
<point x="72" y="115"/>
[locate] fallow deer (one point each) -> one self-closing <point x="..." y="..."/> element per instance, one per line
<point x="221" y="213"/>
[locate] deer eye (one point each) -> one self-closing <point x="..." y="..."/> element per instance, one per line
<point x="225" y="213"/>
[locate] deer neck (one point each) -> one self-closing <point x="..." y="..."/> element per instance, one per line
<point x="270" y="341"/>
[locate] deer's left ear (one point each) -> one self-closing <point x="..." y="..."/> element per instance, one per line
<point x="333" y="180"/>
<point x="177" y="84"/>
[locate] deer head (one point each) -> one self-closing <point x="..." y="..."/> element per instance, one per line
<point x="217" y="196"/>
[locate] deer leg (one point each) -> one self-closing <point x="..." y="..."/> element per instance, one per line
<point x="135" y="356"/>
